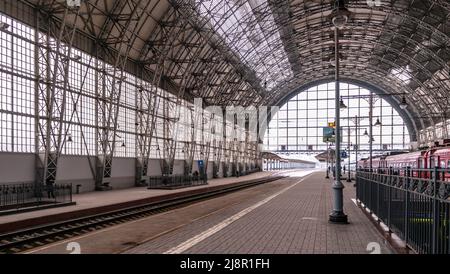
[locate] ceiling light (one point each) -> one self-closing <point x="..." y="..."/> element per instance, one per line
<point x="341" y="104"/>
<point x="77" y="58"/>
<point x="340" y="14"/>
<point x="377" y="123"/>
<point x="339" y="20"/>
<point x="4" y="26"/>
<point x="403" y="104"/>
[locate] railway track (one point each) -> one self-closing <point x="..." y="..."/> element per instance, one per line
<point x="22" y="240"/>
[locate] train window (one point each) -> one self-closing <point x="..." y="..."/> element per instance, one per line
<point x="448" y="166"/>
<point x="442" y="165"/>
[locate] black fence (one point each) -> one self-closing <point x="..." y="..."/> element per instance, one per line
<point x="413" y="203"/>
<point x="15" y="197"/>
<point x="176" y="181"/>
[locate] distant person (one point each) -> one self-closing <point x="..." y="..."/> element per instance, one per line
<point x="50" y="189"/>
<point x="344" y="169"/>
<point x="195" y="175"/>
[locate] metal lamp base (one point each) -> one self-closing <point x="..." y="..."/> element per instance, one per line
<point x="338" y="218"/>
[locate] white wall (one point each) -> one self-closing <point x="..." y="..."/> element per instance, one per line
<point x="210" y="169"/>
<point x="123" y="172"/>
<point x="178" y="167"/>
<point x="76" y="170"/>
<point x="17" y="168"/>
<point x="154" y="167"/>
<point x="20" y="168"/>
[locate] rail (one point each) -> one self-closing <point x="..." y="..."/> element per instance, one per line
<point x="18" y="241"/>
<point x="413" y="203"/>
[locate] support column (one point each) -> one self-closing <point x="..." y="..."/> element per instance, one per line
<point x="54" y="56"/>
<point x="337" y="215"/>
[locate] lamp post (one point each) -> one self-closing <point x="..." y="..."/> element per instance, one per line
<point x="356" y="143"/>
<point x="328" y="162"/>
<point x="339" y="18"/>
<point x="370" y="130"/>
<point x="349" y="179"/>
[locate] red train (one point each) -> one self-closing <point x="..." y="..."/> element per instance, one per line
<point x="425" y="159"/>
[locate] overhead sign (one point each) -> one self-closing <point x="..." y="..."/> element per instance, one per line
<point x="344" y="154"/>
<point x="328" y="134"/>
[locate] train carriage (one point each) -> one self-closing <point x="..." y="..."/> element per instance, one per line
<point x="436" y="157"/>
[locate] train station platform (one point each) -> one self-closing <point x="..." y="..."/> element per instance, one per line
<point x="286" y="216"/>
<point x="98" y="202"/>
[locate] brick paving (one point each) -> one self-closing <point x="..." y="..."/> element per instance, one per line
<point x="201" y="215"/>
<point x="296" y="221"/>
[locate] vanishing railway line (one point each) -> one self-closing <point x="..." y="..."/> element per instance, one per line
<point x="22" y="240"/>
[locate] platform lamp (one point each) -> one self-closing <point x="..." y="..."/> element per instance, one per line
<point x="342" y="105"/>
<point x="339" y="17"/>
<point x="377" y="123"/>
<point x="403" y="104"/>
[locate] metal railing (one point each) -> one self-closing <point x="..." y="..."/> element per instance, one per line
<point x="413" y="203"/>
<point x="176" y="181"/>
<point x="19" y="196"/>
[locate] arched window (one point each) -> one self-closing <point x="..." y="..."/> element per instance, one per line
<point x="298" y="126"/>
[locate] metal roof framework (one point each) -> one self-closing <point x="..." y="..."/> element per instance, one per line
<point x="258" y="52"/>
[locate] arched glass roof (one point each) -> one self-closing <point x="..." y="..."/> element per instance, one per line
<point x="257" y="52"/>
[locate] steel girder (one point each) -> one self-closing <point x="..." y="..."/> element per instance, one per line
<point x="52" y="69"/>
<point x="150" y="99"/>
<point x="112" y="83"/>
<point x="424" y="18"/>
<point x="400" y="13"/>
<point x="380" y="39"/>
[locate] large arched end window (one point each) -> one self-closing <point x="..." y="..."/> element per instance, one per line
<point x="298" y="126"/>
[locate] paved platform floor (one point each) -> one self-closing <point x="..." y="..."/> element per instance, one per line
<point x="285" y="216"/>
<point x="295" y="221"/>
<point x="102" y="198"/>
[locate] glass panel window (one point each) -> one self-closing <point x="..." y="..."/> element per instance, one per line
<point x="315" y="109"/>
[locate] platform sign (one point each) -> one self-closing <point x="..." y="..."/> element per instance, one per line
<point x="344" y="154"/>
<point x="332" y="124"/>
<point x="200" y="164"/>
<point x="328" y="134"/>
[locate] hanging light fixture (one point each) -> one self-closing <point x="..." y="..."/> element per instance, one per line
<point x="403" y="104"/>
<point x="123" y="144"/>
<point x="365" y="133"/>
<point x="340" y="14"/>
<point x="76" y="58"/>
<point x="4" y="26"/>
<point x="377" y="123"/>
<point x="69" y="138"/>
<point x="342" y="104"/>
